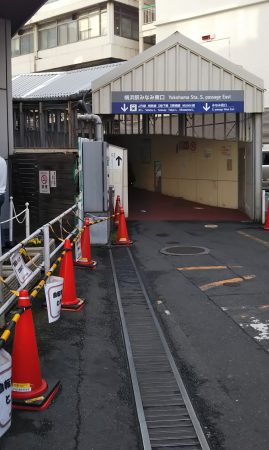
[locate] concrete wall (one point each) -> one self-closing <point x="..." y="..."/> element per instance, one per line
<point x="196" y="8"/>
<point x="203" y="171"/>
<point x="79" y="52"/>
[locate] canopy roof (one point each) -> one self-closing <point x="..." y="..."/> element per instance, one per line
<point x="57" y="85"/>
<point x="178" y="64"/>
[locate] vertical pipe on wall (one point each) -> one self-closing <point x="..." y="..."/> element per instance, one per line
<point x="141" y="22"/>
<point x="22" y="128"/>
<point x="257" y="164"/>
<point x="70" y="125"/>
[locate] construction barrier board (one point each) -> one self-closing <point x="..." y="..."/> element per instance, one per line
<point x="78" y="251"/>
<point x="5" y="391"/>
<point x="22" y="272"/>
<point x="53" y="291"/>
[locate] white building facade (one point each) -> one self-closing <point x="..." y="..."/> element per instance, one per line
<point x="236" y="29"/>
<point x="65" y="35"/>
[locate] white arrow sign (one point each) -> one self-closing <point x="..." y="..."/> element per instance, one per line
<point x="124" y="108"/>
<point x="206" y="107"/>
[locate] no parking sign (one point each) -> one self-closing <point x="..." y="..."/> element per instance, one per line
<point x="44" y="182"/>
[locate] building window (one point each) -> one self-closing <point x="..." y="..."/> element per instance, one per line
<point x="103" y="22"/>
<point x="48" y="36"/>
<point x="22" y="45"/>
<point x="83" y="29"/>
<point x="93" y="24"/>
<point x="126" y="22"/>
<point x="89" y="25"/>
<point x="149" y="12"/>
<point x="27" y="44"/>
<point x="15" y="46"/>
<point x="67" y="33"/>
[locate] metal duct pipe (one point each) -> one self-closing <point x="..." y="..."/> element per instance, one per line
<point x="98" y="124"/>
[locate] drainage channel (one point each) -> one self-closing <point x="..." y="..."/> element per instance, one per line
<point x="166" y="416"/>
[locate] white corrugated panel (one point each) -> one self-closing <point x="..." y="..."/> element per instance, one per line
<point x="178" y="64"/>
<point x="57" y="85"/>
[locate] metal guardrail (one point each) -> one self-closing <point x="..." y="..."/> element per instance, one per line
<point x="45" y="250"/>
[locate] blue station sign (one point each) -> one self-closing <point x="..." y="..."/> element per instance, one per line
<point x="181" y="102"/>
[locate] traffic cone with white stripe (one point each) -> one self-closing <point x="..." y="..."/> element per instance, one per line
<point x="29" y="390"/>
<point x="122" y="235"/>
<point x="70" y="301"/>
<point x="86" y="258"/>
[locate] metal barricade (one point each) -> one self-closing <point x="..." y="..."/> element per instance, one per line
<point x="42" y="261"/>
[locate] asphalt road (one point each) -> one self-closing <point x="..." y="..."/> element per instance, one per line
<point x="216" y="320"/>
<point x="213" y="308"/>
<point x="94" y="409"/>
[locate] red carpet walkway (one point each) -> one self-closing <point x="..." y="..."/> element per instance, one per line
<point x="145" y="205"/>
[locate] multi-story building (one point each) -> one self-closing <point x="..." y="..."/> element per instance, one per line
<point x="236" y="29"/>
<point x="190" y="132"/>
<point x="65" y="34"/>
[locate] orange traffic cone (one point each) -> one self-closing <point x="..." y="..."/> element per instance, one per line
<point x="266" y="225"/>
<point x="29" y="389"/>
<point x="70" y="302"/>
<point x="122" y="235"/>
<point x="86" y="260"/>
<point x="117" y="211"/>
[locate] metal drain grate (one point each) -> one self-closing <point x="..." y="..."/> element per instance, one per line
<point x="165" y="414"/>
<point x="183" y="250"/>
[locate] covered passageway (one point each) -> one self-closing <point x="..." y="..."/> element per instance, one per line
<point x="191" y="121"/>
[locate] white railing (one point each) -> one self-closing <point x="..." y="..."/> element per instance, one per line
<point x="23" y="216"/>
<point x="13" y="215"/>
<point x="48" y="255"/>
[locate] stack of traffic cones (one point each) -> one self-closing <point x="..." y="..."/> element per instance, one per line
<point x="266" y="225"/>
<point x="117" y="211"/>
<point x="70" y="301"/>
<point x="122" y="235"/>
<point x="29" y="389"/>
<point x="86" y="259"/>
